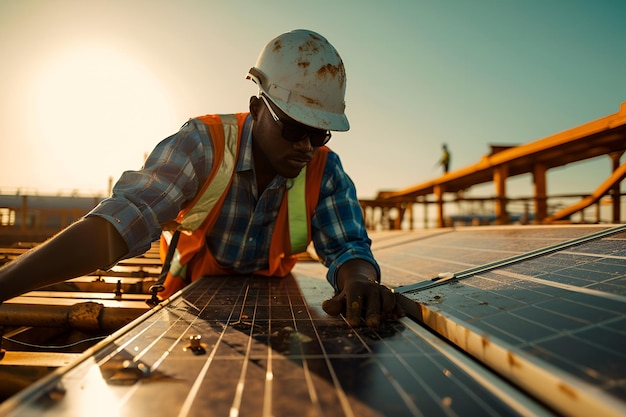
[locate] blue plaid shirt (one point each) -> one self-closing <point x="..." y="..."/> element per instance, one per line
<point x="178" y="167"/>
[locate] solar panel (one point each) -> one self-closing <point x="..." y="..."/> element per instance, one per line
<point x="413" y="257"/>
<point x="265" y="348"/>
<point x="551" y="320"/>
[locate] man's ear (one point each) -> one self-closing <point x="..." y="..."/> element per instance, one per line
<point x="255" y="102"/>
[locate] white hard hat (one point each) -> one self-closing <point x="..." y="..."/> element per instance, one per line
<point x="303" y="74"/>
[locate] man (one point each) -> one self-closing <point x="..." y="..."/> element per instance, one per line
<point x="445" y="158"/>
<point x="245" y="192"/>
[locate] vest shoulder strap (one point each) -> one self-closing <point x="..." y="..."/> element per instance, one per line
<point x="226" y="134"/>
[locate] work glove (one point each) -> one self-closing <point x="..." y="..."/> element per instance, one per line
<point x="364" y="299"/>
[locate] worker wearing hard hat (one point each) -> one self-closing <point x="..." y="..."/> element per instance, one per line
<point x="238" y="194"/>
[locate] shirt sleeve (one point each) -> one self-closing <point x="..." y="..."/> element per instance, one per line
<point x="338" y="228"/>
<point x="173" y="173"/>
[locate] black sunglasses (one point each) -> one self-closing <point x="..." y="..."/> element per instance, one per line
<point x="297" y="132"/>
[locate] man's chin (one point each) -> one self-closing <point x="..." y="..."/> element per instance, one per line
<point x="291" y="172"/>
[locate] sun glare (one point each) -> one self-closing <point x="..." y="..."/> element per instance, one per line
<point x="97" y="111"/>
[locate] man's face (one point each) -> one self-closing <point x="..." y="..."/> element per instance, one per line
<point x="273" y="154"/>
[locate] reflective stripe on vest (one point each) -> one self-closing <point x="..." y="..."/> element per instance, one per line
<point x="203" y="206"/>
<point x="296" y="209"/>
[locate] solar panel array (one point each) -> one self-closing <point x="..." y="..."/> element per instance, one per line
<point x="533" y="323"/>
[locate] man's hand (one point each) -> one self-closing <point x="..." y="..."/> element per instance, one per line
<point x="361" y="297"/>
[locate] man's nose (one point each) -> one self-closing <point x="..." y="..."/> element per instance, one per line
<point x="303" y="145"/>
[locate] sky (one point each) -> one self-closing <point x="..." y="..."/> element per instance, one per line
<point x="88" y="88"/>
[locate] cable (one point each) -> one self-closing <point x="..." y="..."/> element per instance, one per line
<point x="52" y="346"/>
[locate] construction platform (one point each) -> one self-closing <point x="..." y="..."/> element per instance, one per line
<point x="501" y="321"/>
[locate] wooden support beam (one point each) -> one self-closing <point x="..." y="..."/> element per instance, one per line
<point x="500" y="173"/>
<point x="541" y="204"/>
<point x="616" y="189"/>
<point x="439" y="189"/>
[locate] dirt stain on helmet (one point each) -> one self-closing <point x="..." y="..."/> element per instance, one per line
<point x="329" y="70"/>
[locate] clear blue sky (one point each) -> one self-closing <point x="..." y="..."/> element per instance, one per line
<point x="88" y="87"/>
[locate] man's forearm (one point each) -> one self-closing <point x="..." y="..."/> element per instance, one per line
<point x="83" y="247"/>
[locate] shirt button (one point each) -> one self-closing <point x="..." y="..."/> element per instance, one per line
<point x="250" y="239"/>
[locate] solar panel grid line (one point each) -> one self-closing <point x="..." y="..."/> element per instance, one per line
<point x="500" y="388"/>
<point x="518" y="258"/>
<point x="419" y="379"/>
<point x="531" y="254"/>
<point x="450" y="247"/>
<point x="595" y="273"/>
<point x="252" y="350"/>
<point x="193" y="391"/>
<point x="315" y="403"/>
<point x="568" y="362"/>
<point x="594" y="255"/>
<point x="398" y="269"/>
<point x="342" y="397"/>
<point x="403" y="394"/>
<point x="404" y="402"/>
<point x="445" y="403"/>
<point x="391" y="269"/>
<point x="442" y="404"/>
<point x="236" y="403"/>
<point x="455" y="377"/>
<point x="267" y="402"/>
<point x="234" y="386"/>
<point x="330" y="356"/>
<point x="390" y="240"/>
<point x="435" y="259"/>
<point x="588" y="311"/>
<point x="347" y="410"/>
<point x="562" y="391"/>
<point x="473" y="246"/>
<point x="568" y="287"/>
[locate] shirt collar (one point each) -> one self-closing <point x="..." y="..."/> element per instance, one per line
<point x="244" y="162"/>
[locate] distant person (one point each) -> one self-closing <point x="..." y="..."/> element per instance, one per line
<point x="249" y="191"/>
<point x="445" y="158"/>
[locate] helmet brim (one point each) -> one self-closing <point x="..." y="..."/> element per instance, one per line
<point x="316" y="118"/>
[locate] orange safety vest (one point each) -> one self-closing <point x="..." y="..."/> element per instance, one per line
<point x="193" y="259"/>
